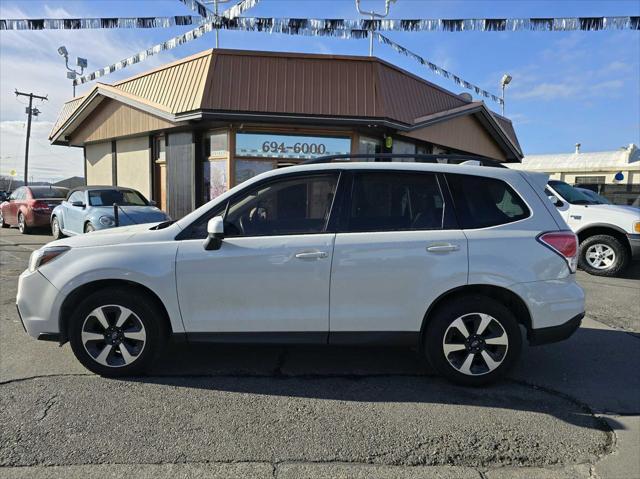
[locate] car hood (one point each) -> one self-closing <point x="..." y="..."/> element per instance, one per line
<point x="104" y="237"/>
<point x="133" y="214"/>
<point x="621" y="216"/>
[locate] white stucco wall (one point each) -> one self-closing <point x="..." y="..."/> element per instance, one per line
<point x="99" y="159"/>
<point x="134" y="164"/>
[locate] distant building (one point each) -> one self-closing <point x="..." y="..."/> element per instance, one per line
<point x="189" y="130"/>
<point x="621" y="166"/>
<point x="71" y="183"/>
<point x="613" y="174"/>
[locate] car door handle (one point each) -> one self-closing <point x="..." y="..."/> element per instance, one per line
<point x="442" y="248"/>
<point x="312" y="255"/>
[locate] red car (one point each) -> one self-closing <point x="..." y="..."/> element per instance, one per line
<point x="31" y="206"/>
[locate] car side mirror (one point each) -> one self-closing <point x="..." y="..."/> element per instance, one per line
<point x="78" y="204"/>
<point x="555" y="200"/>
<point x="215" y="234"/>
<point x="152" y="203"/>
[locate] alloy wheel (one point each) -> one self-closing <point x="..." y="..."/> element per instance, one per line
<point x="55" y="227"/>
<point x="600" y="256"/>
<point x="113" y="335"/>
<point x="21" y="224"/>
<point x="475" y="344"/>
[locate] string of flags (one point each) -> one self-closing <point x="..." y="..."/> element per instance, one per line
<point x="437" y="69"/>
<point x="230" y="19"/>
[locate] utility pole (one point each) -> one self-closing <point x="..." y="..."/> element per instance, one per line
<point x="30" y="112"/>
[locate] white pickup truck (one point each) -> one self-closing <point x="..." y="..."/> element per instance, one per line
<point x="609" y="235"/>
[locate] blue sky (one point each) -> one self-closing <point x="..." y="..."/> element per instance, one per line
<point x="567" y="87"/>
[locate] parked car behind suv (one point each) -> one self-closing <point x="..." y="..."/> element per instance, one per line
<point x="90" y="208"/>
<point x="453" y="260"/>
<point x="609" y="235"/>
<point x="29" y="207"/>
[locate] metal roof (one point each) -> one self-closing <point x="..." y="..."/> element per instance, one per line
<point x="273" y="84"/>
<point x="622" y="158"/>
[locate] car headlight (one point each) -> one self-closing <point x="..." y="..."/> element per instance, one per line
<point x="107" y="221"/>
<point x="45" y="255"/>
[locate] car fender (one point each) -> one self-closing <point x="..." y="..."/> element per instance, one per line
<point x="58" y="212"/>
<point x="127" y="263"/>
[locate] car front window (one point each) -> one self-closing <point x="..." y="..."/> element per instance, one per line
<point x="298" y="205"/>
<point x="121" y="197"/>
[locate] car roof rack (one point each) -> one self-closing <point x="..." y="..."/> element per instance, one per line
<point x="449" y="159"/>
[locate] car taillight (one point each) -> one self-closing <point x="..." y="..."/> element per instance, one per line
<point x="40" y="206"/>
<point x="565" y="244"/>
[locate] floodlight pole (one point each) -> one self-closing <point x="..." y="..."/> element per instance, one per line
<point x="374" y="15"/>
<point x="215" y="11"/>
<point x="72" y="73"/>
<point x="30" y="112"/>
<point x="506" y="79"/>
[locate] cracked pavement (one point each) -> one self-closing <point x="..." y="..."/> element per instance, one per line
<point x="568" y="409"/>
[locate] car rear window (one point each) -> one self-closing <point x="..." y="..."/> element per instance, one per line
<point x="481" y="202"/>
<point x="39" y="193"/>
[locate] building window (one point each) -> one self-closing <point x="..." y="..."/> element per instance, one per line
<point x="219" y="145"/>
<point x="289" y="147"/>
<point x="369" y="146"/>
<point x="215" y="164"/>
<point x="590" y="180"/>
<point x="400" y="147"/>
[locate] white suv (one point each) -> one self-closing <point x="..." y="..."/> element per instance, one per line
<point x="454" y="260"/>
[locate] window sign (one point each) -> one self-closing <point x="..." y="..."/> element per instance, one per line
<point x="246" y="169"/>
<point x="215" y="178"/>
<point x="218" y="145"/>
<point x="266" y="145"/>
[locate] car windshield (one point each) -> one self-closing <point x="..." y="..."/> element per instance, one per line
<point x="122" y="197"/>
<point x="601" y="200"/>
<point x="570" y="194"/>
<point x="49" y="192"/>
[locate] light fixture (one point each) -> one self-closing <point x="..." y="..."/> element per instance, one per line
<point x="62" y="51"/>
<point x="506" y="79"/>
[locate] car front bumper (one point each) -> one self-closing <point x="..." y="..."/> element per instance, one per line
<point x="634" y="242"/>
<point x="38" y="302"/>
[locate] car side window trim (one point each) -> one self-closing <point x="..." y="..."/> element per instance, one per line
<point x="189" y="232"/>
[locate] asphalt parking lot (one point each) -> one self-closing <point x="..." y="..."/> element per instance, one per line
<point x="569" y="410"/>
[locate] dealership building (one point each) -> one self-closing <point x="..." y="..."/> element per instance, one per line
<point x="187" y="131"/>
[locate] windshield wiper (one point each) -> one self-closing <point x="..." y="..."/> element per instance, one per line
<point x="163" y="225"/>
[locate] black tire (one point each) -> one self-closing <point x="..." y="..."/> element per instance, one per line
<point x="4" y="225"/>
<point x="88" y="228"/>
<point x="143" y="309"/>
<point x="438" y="330"/>
<point x="23" y="227"/>
<point x="56" y="232"/>
<point x="589" y="246"/>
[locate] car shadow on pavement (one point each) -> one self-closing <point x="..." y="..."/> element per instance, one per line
<point x="594" y="367"/>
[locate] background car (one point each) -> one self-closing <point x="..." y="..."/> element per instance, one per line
<point x="90" y="208"/>
<point x="592" y="195"/>
<point x="30" y="206"/>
